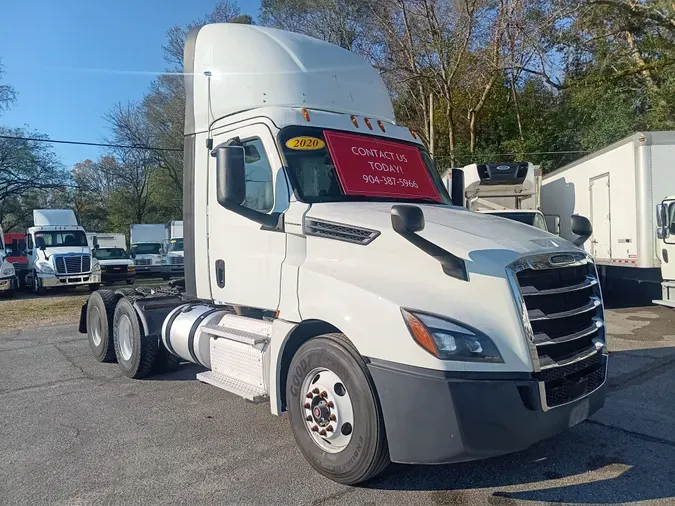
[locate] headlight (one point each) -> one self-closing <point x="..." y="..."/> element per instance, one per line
<point x="162" y="261"/>
<point x="8" y="271"/>
<point x="450" y="340"/>
<point x="96" y="267"/>
<point x="131" y="268"/>
<point x="44" y="268"/>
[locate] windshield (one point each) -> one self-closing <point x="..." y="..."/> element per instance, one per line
<point x="149" y="248"/>
<point x="533" y="219"/>
<point x="330" y="166"/>
<point x="176" y="245"/>
<point x="110" y="254"/>
<point x="62" y="238"/>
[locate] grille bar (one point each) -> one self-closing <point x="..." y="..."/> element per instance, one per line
<point x="72" y="264"/>
<point x="538" y="314"/>
<point x="529" y="291"/>
<point x="543" y="339"/>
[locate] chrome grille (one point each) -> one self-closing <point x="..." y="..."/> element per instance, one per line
<point x="72" y="264"/>
<point x="560" y="295"/>
<point x="177" y="260"/>
<point x="340" y="232"/>
<point x="143" y="261"/>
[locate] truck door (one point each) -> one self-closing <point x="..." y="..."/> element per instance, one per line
<point x="666" y="246"/>
<point x="601" y="240"/>
<point x="245" y="261"/>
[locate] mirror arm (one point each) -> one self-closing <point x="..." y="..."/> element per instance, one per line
<point x="272" y="222"/>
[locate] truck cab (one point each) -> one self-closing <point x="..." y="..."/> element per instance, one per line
<point x="58" y="253"/>
<point x="329" y="273"/>
<point x="111" y="252"/>
<point x="174" y="254"/>
<point x="665" y="249"/>
<point x="148" y="248"/>
<point x="8" y="279"/>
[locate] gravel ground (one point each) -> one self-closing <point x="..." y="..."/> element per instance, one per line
<point x="74" y="431"/>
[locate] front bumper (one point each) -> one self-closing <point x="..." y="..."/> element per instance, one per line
<point x="109" y="277"/>
<point x="69" y="280"/>
<point x="437" y="417"/>
<point x="7" y="284"/>
<point x="150" y="269"/>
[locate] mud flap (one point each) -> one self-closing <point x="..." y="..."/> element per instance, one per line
<point x="83" y="318"/>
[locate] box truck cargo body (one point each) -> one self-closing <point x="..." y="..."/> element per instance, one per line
<point x="617" y="188"/>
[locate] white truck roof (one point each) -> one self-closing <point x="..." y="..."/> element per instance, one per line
<point x="49" y="217"/>
<point x="251" y="67"/>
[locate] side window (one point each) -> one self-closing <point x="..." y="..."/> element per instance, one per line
<point x="259" y="187"/>
<point x="30" y="242"/>
<point x="671" y="218"/>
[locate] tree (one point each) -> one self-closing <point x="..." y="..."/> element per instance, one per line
<point x="7" y="93"/>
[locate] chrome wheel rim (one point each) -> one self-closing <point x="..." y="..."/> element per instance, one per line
<point x="95" y="323"/>
<point x="124" y="337"/>
<point x="327" y="410"/>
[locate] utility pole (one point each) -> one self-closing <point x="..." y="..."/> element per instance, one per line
<point x="431" y="124"/>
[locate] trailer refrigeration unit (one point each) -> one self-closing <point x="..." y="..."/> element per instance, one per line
<point x="507" y="190"/>
<point x="618" y="188"/>
<point x="328" y="273"/>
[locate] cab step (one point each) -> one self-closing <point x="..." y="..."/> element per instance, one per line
<point x="238" y="346"/>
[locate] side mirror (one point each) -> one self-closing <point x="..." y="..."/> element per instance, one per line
<point x="457" y="189"/>
<point x="40" y="242"/>
<point x="662" y="221"/>
<point x="581" y="226"/>
<point x="230" y="175"/>
<point x="95" y="242"/>
<point x="406" y="219"/>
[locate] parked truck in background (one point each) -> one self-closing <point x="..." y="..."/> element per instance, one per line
<point x="328" y="273"/>
<point x="507" y="190"/>
<point x="15" y="248"/>
<point x="618" y="188"/>
<point x="8" y="280"/>
<point x="111" y="252"/>
<point x="174" y="256"/>
<point x="148" y="248"/>
<point x="58" y="253"/>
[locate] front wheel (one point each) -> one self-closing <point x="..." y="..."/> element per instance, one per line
<point x="130" y="281"/>
<point x="334" y="411"/>
<point x="38" y="289"/>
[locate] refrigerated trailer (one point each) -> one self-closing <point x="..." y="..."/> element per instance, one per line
<point x="617" y="188"/>
<point x="328" y="273"/>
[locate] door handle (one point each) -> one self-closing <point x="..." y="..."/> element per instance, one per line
<point x="220" y="273"/>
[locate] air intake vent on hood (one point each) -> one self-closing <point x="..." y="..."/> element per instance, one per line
<point x="340" y="232"/>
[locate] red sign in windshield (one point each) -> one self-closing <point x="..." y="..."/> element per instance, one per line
<point x="376" y="168"/>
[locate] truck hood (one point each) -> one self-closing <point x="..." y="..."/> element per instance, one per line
<point x="457" y="230"/>
<point x="67" y="250"/>
<point x="116" y="261"/>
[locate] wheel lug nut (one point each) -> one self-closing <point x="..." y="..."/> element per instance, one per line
<point x="309" y="418"/>
<point x="309" y="395"/>
<point x="324" y="394"/>
<point x="315" y="428"/>
<point x="332" y="418"/>
<point x="315" y="391"/>
<point x="330" y="404"/>
<point x="329" y="428"/>
<point x="323" y="432"/>
<point x="307" y="405"/>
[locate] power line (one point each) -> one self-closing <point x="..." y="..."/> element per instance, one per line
<point x="83" y="143"/>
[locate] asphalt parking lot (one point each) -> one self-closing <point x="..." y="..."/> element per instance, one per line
<point x="74" y="431"/>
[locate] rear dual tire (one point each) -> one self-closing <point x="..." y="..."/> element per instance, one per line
<point x="330" y="369"/>
<point x="100" y="313"/>
<point x="136" y="352"/>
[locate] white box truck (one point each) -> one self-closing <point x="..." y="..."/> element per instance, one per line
<point x="174" y="255"/>
<point x="148" y="248"/>
<point x="618" y="188"/>
<point x="111" y="252"/>
<point x="58" y="253"/>
<point x="328" y="273"/>
<point x="8" y="281"/>
<point x="508" y="190"/>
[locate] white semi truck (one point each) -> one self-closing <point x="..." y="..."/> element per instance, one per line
<point x="508" y="190"/>
<point x="111" y="252"/>
<point x="148" y="247"/>
<point x="328" y="273"/>
<point x="174" y="255"/>
<point x="58" y="253"/>
<point x="618" y="188"/>
<point x="8" y="281"/>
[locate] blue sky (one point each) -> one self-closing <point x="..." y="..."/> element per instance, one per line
<point x="44" y="42"/>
